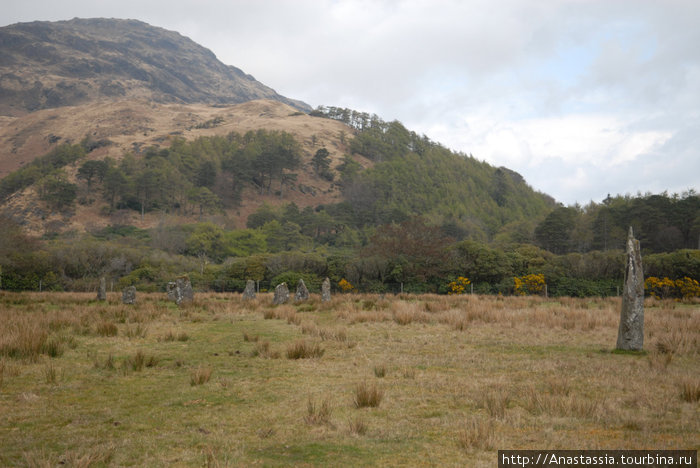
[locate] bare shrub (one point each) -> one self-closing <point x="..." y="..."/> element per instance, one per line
<point x="367" y="395"/>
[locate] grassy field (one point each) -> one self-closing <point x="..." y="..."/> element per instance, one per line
<point x="359" y="381"/>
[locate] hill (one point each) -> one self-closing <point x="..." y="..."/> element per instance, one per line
<point x="67" y="63"/>
<point x="185" y="172"/>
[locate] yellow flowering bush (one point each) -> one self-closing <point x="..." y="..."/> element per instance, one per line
<point x="529" y="284"/>
<point x="663" y="288"/>
<point x="458" y="286"/>
<point x="345" y="285"/>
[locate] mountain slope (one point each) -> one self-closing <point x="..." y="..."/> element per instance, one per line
<point x="66" y="63"/>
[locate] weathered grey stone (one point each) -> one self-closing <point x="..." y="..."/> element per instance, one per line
<point x="187" y="293"/>
<point x="180" y="290"/>
<point x="249" y="292"/>
<point x="281" y="294"/>
<point x="129" y="295"/>
<point x="630" y="335"/>
<point x="302" y="293"/>
<point x="326" y="290"/>
<point x="171" y="291"/>
<point x="102" y="291"/>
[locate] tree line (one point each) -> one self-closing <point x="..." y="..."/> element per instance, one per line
<point x="414" y="254"/>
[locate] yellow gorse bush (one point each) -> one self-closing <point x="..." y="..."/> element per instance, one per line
<point x="664" y="288"/>
<point x="458" y="286"/>
<point x="529" y="284"/>
<point x="345" y="285"/>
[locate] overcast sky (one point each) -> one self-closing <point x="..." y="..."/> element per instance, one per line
<point x="583" y="98"/>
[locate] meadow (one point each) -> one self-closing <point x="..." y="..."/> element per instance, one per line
<point x="362" y="380"/>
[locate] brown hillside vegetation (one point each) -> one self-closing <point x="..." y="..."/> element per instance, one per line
<point x="132" y="126"/>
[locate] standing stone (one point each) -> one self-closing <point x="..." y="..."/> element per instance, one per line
<point x="326" y="290"/>
<point x="171" y="291"/>
<point x="186" y="291"/>
<point x="630" y="335"/>
<point x="102" y="292"/>
<point x="302" y="293"/>
<point x="249" y="292"/>
<point x="129" y="295"/>
<point x="180" y="290"/>
<point x="281" y="294"/>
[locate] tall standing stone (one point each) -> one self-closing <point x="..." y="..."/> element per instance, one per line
<point x="302" y="293"/>
<point x="326" y="290"/>
<point x="129" y="295"/>
<point x="102" y="292"/>
<point x="249" y="292"/>
<point x="630" y="335"/>
<point x="281" y="294"/>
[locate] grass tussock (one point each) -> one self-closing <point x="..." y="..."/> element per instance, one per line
<point x="539" y="403"/>
<point x="380" y="371"/>
<point x="477" y="434"/>
<point x="200" y="375"/>
<point x="135" y="330"/>
<point x="249" y="338"/>
<point x="262" y="349"/>
<point x="367" y="395"/>
<point x="407" y="313"/>
<point x="50" y="374"/>
<point x="138" y="362"/>
<point x="690" y="390"/>
<point x="302" y="349"/>
<point x="318" y="414"/>
<point x="495" y="401"/>
<point x="358" y="425"/>
<point x="172" y="336"/>
<point x="106" y="328"/>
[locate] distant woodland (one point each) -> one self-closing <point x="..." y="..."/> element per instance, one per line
<point x="416" y="221"/>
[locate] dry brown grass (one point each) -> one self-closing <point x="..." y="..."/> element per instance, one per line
<point x="367" y="395"/>
<point x="466" y="376"/>
<point x="200" y="375"/>
<point x="318" y="414"/>
<point x="302" y="349"/>
<point x="477" y="434"/>
<point x="690" y="389"/>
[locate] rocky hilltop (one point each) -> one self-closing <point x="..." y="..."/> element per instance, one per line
<point x="67" y="63"/>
